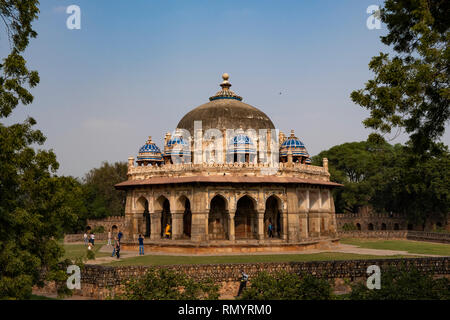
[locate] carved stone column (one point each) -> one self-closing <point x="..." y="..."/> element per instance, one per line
<point x="260" y="224"/>
<point x="231" y="234"/>
<point x="155" y="225"/>
<point x="177" y="224"/>
<point x="199" y="226"/>
<point x="284" y="230"/>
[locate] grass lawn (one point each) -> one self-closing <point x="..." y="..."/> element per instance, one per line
<point x="73" y="251"/>
<point x="36" y="297"/>
<point x="401" y="245"/>
<point x="154" y="260"/>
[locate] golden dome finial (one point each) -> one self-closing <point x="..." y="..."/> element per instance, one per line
<point x="149" y="139"/>
<point x="225" y="76"/>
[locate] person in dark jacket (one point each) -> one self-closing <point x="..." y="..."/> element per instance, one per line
<point x="243" y="284"/>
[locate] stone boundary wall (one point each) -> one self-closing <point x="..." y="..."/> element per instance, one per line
<point x="108" y="223"/>
<point x="78" y="237"/>
<point x="398" y="234"/>
<point x="100" y="282"/>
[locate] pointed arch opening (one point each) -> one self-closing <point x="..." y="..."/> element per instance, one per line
<point x="185" y="204"/>
<point x="246" y="219"/>
<point x="218" y="218"/>
<point x="272" y="218"/>
<point x="163" y="204"/>
<point x="142" y="207"/>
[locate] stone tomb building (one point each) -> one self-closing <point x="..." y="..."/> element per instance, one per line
<point x="223" y="176"/>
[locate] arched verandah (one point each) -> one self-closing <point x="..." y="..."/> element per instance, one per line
<point x="142" y="207"/>
<point x="218" y="219"/>
<point x="246" y="219"/>
<point x="186" y="222"/>
<point x="273" y="216"/>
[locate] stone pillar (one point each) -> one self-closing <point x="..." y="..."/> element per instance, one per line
<point x="260" y="224"/>
<point x="325" y="163"/>
<point x="155" y="233"/>
<point x="284" y="229"/>
<point x="177" y="224"/>
<point x="303" y="221"/>
<point x="199" y="226"/>
<point x="231" y="234"/>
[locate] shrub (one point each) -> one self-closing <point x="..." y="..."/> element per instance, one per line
<point x="287" y="286"/>
<point x="98" y="229"/>
<point x="404" y="284"/>
<point x="349" y="227"/>
<point x="162" y="284"/>
<point x="90" y="255"/>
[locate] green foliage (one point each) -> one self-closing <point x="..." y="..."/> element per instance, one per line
<point x="349" y="227"/>
<point x="163" y="284"/>
<point x="98" y="229"/>
<point x="35" y="208"/>
<point x="90" y="255"/>
<point x="410" y="90"/>
<point x="390" y="179"/>
<point x="404" y="284"/>
<point x="359" y="167"/>
<point x="287" y="286"/>
<point x="101" y="198"/>
<point x="17" y="17"/>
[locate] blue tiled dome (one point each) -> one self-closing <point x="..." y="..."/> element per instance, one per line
<point x="294" y="145"/>
<point x="176" y="140"/>
<point x="177" y="146"/>
<point x="241" y="143"/>
<point x="293" y="142"/>
<point x="149" y="152"/>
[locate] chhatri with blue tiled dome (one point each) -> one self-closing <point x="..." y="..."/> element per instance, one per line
<point x="149" y="153"/>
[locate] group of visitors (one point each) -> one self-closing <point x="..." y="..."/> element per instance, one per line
<point x="89" y="240"/>
<point x="116" y="244"/>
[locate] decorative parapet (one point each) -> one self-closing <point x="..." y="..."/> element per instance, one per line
<point x="237" y="168"/>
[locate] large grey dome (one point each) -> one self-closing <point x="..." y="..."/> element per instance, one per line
<point x="226" y="111"/>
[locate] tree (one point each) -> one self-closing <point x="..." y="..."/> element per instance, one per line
<point x="390" y="179"/>
<point x="102" y="199"/>
<point x="402" y="283"/>
<point x="287" y="286"/>
<point x="34" y="209"/>
<point x="163" y="284"/>
<point x="410" y="90"/>
<point x="359" y="167"/>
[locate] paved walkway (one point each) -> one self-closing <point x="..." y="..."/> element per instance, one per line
<point x="342" y="248"/>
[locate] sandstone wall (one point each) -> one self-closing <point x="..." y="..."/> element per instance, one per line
<point x="398" y="234"/>
<point x="99" y="282"/>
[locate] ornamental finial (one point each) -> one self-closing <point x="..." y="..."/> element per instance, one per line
<point x="225" y="93"/>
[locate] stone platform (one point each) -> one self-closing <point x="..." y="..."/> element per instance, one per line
<point x="226" y="246"/>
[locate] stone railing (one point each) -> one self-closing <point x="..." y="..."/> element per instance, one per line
<point x="398" y="234"/>
<point x="254" y="169"/>
<point x="99" y="282"/>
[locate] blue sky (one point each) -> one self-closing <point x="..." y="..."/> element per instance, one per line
<point x="136" y="67"/>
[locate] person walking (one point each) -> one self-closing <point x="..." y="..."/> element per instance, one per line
<point x="141" y="244"/>
<point x="167" y="231"/>
<point x="114" y="247"/>
<point x="243" y="284"/>
<point x="270" y="230"/>
<point x="118" y="250"/>
<point x="92" y="239"/>
<point x="119" y="236"/>
<point x="109" y="237"/>
<point x="86" y="240"/>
